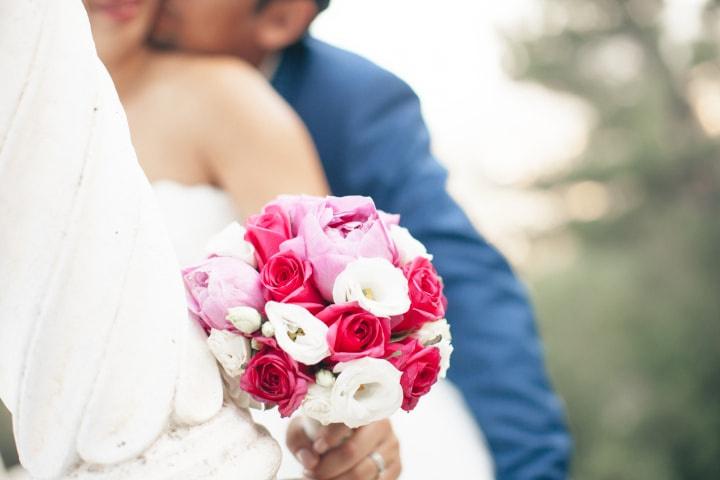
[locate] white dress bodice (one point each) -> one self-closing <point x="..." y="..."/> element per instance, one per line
<point x="193" y="214"/>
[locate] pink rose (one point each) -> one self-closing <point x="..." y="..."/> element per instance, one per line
<point x="273" y="377"/>
<point x="355" y="333"/>
<point x="338" y="231"/>
<point x="218" y="284"/>
<point x="267" y="231"/>
<point x="420" y="367"/>
<point x="288" y="279"/>
<point x="427" y="302"/>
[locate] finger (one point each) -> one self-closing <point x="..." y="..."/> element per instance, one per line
<point x="367" y="469"/>
<point x="353" y="451"/>
<point x="300" y="444"/>
<point x="393" y="472"/>
<point x="331" y="436"/>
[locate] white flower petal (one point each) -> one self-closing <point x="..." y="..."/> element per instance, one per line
<point x="318" y="405"/>
<point x="366" y="390"/>
<point x="298" y="332"/>
<point x="230" y="242"/>
<point x="376" y="284"/>
<point x="232" y="351"/>
<point x="409" y="248"/>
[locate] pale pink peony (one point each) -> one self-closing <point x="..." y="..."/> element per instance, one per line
<point x="338" y="231"/>
<point x="218" y="284"/>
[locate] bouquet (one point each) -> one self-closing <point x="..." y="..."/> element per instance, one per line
<point x="326" y="305"/>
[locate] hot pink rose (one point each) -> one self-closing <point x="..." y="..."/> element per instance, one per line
<point x="288" y="279"/>
<point x="267" y="231"/>
<point x="338" y="231"/>
<point x="355" y="333"/>
<point x="420" y="367"/>
<point x="220" y="283"/>
<point x="273" y="377"/>
<point x="427" y="302"/>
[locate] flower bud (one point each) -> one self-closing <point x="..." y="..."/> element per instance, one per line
<point x="324" y="378"/>
<point x="245" y="319"/>
<point x="268" y="330"/>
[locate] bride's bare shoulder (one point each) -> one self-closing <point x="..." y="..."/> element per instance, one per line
<point x="245" y="130"/>
<point x="217" y="83"/>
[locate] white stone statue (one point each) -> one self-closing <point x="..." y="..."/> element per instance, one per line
<point x="105" y="375"/>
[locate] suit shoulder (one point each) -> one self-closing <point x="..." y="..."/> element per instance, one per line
<point x="345" y="72"/>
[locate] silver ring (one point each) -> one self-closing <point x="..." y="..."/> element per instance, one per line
<point x="379" y="462"/>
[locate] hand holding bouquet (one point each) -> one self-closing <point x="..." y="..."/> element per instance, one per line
<point x="325" y="305"/>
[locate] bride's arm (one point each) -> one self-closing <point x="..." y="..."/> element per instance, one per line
<point x="256" y="147"/>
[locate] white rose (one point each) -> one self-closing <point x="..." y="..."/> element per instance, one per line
<point x="245" y="319"/>
<point x="230" y="242"/>
<point x="366" y="390"/>
<point x="298" y="332"/>
<point x="317" y="404"/>
<point x="232" y="351"/>
<point x="437" y="334"/>
<point x="377" y="286"/>
<point x="409" y="248"/>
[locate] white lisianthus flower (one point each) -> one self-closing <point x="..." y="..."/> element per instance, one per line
<point x="377" y="286"/>
<point x="245" y="319"/>
<point x="232" y="351"/>
<point x="298" y="332"/>
<point x="437" y="334"/>
<point x="408" y="247"/>
<point x="230" y="242"/>
<point x="366" y="390"/>
<point x="317" y="404"/>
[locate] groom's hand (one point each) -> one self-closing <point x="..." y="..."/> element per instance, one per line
<point x="342" y="453"/>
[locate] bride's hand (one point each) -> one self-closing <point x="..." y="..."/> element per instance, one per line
<point x="341" y="453"/>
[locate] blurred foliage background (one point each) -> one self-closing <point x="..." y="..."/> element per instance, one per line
<point x="632" y="325"/>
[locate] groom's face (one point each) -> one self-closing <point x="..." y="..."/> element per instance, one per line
<point x="250" y="29"/>
<point x="208" y="26"/>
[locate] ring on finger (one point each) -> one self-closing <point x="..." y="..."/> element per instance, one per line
<point x="379" y="462"/>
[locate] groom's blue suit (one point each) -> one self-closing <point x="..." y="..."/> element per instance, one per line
<point x="372" y="140"/>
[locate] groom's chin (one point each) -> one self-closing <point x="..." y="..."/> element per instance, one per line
<point x="163" y="34"/>
<point x="162" y="42"/>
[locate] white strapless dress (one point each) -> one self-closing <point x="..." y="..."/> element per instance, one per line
<point x="439" y="439"/>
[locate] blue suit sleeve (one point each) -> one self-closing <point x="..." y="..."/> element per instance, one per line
<point x="498" y="359"/>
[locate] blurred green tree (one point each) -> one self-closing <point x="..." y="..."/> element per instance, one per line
<point x="633" y="325"/>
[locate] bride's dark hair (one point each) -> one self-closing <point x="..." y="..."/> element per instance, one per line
<point x="322" y="4"/>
